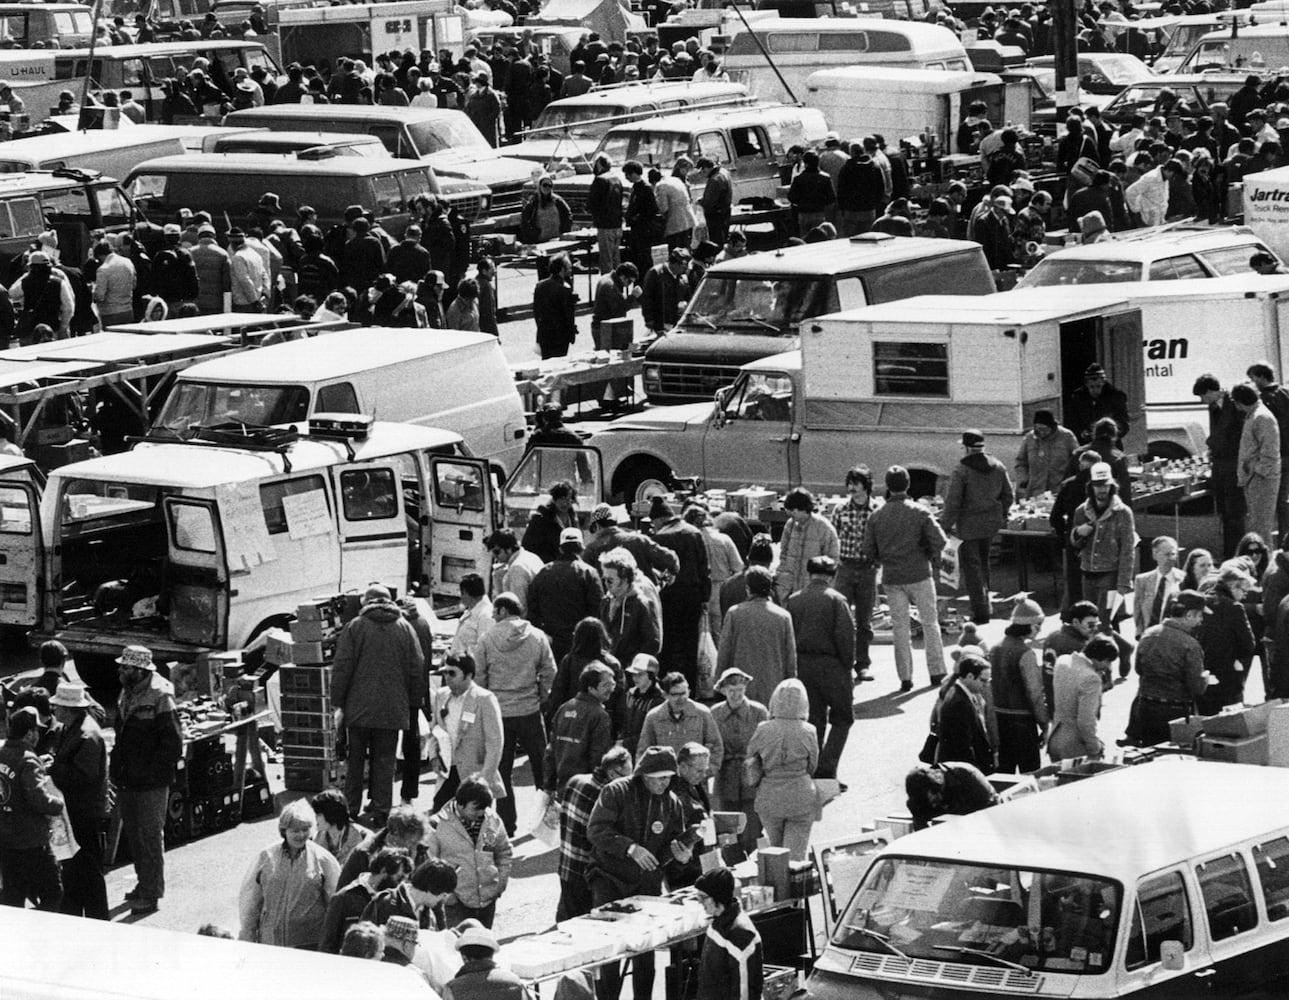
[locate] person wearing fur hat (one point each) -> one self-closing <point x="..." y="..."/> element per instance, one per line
<point x="148" y="746"/>
<point x="975" y="509"/>
<point x="730" y="967"/>
<point x="638" y="837"/>
<point x="377" y="676"/>
<point x="1020" y="702"/>
<point x="1104" y="534"/>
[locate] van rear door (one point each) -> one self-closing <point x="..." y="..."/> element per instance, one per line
<point x="21" y="550"/>
<point x="543" y="467"/>
<point x="373" y="528"/>
<point x="196" y="572"/>
<point x="462" y="514"/>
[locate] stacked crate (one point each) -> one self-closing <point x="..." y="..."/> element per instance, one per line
<point x="308" y="719"/>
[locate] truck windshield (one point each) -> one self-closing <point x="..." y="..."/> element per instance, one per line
<point x="920" y="909"/>
<point x="1055" y="271"/>
<point x="772" y="307"/>
<point x="205" y="404"/>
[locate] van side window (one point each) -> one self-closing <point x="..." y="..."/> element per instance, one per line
<point x="15" y="511"/>
<point x="369" y="494"/>
<point x="113" y="209"/>
<point x="271" y="495"/>
<point x="389" y="201"/>
<point x="338" y="398"/>
<point x="1176" y="268"/>
<point x="712" y="144"/>
<point x="27" y="220"/>
<point x="902" y="369"/>
<point x="13" y="27"/>
<point x="132" y="73"/>
<point x="191" y="527"/>
<point x="1228" y="896"/>
<point x="458" y="486"/>
<point x="747" y="141"/>
<point x="1229" y="260"/>
<point x="414" y="183"/>
<point x="390" y="135"/>
<point x="70" y="203"/>
<point x="1161" y="914"/>
<point x="1272" y="862"/>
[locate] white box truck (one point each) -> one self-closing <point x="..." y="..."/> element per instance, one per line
<point x="887" y="384"/>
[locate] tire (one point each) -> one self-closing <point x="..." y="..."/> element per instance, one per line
<point x="641" y="479"/>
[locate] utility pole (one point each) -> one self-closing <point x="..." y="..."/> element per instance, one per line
<point x="1065" y="57"/>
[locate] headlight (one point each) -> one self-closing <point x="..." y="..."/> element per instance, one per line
<point x="652" y="375"/>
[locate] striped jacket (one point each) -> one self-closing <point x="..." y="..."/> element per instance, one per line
<point x="730" y="966"/>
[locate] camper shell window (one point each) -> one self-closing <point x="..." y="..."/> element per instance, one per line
<point x="271" y="495"/>
<point x="338" y="398"/>
<point x="939" y="910"/>
<point x="369" y="494"/>
<point x="903" y="369"/>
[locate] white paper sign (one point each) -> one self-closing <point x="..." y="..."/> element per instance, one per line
<point x="246" y="536"/>
<point x="918" y="888"/>
<point x="307" y="514"/>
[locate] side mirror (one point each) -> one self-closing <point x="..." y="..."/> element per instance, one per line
<point x="1171" y="956"/>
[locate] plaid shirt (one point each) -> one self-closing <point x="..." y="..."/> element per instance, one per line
<point x="851" y="520"/>
<point x="577" y="800"/>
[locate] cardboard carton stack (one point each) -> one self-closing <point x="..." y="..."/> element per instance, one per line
<point x="308" y="719"/>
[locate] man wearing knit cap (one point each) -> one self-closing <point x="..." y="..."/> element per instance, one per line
<point x="731" y="964"/>
<point x="378" y="674"/>
<point x="975" y="509"/>
<point x="638" y="838"/>
<point x="1044" y="453"/>
<point x="1017" y="683"/>
<point x="606" y="534"/>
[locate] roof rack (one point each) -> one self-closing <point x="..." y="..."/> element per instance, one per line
<point x="234" y="434"/>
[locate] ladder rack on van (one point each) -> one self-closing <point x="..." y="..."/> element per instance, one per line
<point x="734" y="102"/>
<point x="242" y="437"/>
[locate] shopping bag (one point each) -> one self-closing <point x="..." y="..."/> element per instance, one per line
<point x="544" y="821"/>
<point x="61" y="839"/>
<point x="706" y="662"/>
<point x="700" y="226"/>
<point x="949" y="564"/>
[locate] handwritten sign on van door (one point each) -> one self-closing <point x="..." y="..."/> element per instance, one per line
<point x="246" y="536"/>
<point x="307" y="514"/>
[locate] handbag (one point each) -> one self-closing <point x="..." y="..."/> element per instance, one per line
<point x="753" y="772"/>
<point x="930" y="747"/>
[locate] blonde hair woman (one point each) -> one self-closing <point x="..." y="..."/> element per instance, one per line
<point x="781" y="760"/>
<point x="284" y="896"/>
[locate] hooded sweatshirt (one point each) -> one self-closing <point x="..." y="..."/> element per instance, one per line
<point x="980" y="495"/>
<point x="514" y="662"/>
<point x="379" y="670"/>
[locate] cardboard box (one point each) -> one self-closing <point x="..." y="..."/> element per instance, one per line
<point x="309" y="653"/>
<point x="277" y="646"/>
<point x="772" y="869"/>
<point x="1245" y="722"/>
<point x="1249" y="750"/>
<point x="312" y="631"/>
<point x="318" y="609"/>
<point x="1185" y="731"/>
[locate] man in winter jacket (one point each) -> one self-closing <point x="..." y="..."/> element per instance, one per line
<point x="377" y="676"/>
<point x="664" y="288"/>
<point x="174" y="275"/>
<point x="975" y="509"/>
<point x="1044" y="453"/>
<point x="79" y="770"/>
<point x="389" y="868"/>
<point x="1258" y="471"/>
<point x="805" y="535"/>
<point x="554" y="306"/>
<point x="27" y="800"/>
<point x="480" y="977"/>
<point x="639" y="837"/>
<point x="604" y="202"/>
<point x="577" y="800"/>
<point x="515" y="663"/>
<point x="468" y="834"/>
<point x="730" y="967"/>
<point x="214" y="277"/>
<point x="543" y="535"/>
<point x="148" y="745"/>
<point x="581" y="731"/>
<point x="1104" y="534"/>
<point x="684" y="601"/>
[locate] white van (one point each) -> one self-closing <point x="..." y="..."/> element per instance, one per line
<point x="201" y="545"/>
<point x="147" y="963"/>
<point x="1256" y="48"/>
<point x="800" y="46"/>
<point x="114" y="152"/>
<point x="450" y="379"/>
<point x="1168" y="879"/>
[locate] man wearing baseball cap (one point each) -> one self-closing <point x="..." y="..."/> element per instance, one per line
<point x="638" y="838"/>
<point x="975" y="509"/>
<point x="1104" y="534"/>
<point x="148" y="746"/>
<point x="563" y="593"/>
<point x="1170" y="661"/>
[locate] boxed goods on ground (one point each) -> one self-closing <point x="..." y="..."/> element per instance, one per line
<point x="1240" y="723"/>
<point x="1249" y="750"/>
